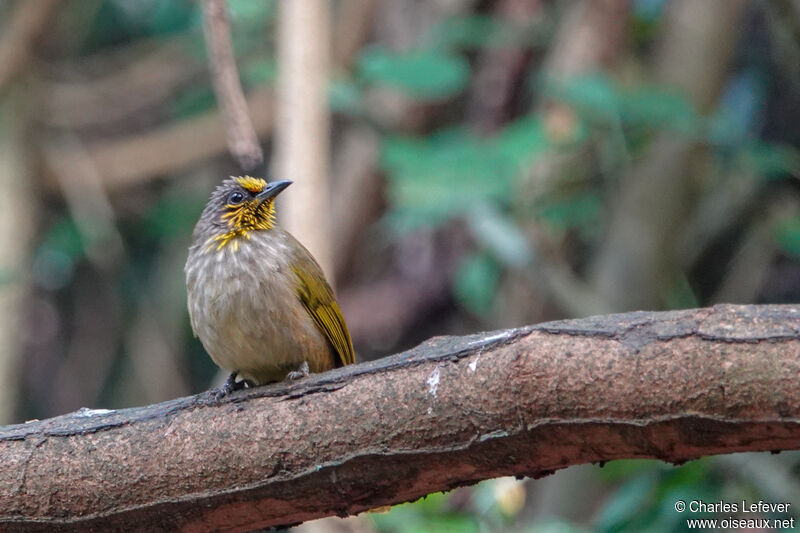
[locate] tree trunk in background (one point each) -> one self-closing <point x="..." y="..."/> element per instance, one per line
<point x="17" y="212"/>
<point x="636" y="265"/>
<point x="302" y="132"/>
<point x="590" y="38"/>
<point x="354" y="22"/>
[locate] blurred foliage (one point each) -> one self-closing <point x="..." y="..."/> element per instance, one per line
<point x="445" y="170"/>
<point x="431" y="513"/>
<point x="451" y="171"/>
<point x="425" y="74"/>
<point x="490" y="506"/>
<point x="640" y="498"/>
<point x="645" y="498"/>
<point x="470" y="32"/>
<point x="787" y="234"/>
<point x="476" y="282"/>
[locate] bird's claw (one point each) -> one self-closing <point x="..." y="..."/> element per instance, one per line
<point x="301" y="372"/>
<point x="230" y="385"/>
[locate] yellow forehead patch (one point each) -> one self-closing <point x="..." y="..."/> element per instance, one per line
<point x="251" y="184"/>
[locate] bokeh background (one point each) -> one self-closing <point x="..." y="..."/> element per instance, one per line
<point x="491" y="163"/>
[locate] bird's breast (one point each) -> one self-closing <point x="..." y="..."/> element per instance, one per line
<point x="244" y="308"/>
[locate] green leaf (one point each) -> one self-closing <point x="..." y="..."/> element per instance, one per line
<point x="787" y="236"/>
<point x="64" y="237"/>
<point x="61" y="248"/>
<point x="694" y="473"/>
<point x="263" y="71"/>
<point x="627" y="468"/>
<point x="552" y="525"/>
<point x="664" y="517"/>
<point x="450" y="172"/>
<point x="249" y="12"/>
<point x="344" y="96"/>
<point x="632" y="498"/>
<point x="432" y="179"/>
<point x="680" y="295"/>
<point x="598" y="97"/>
<point x="171" y="17"/>
<point x="424" y="74"/>
<point x="246" y="17"/>
<point x="659" y="107"/>
<point x="428" y="514"/>
<point x="193" y="101"/>
<point x="521" y="141"/>
<point x="645" y="501"/>
<point x="773" y="161"/>
<point x="475" y="31"/>
<point x="595" y="95"/>
<point x="448" y="523"/>
<point x="476" y="283"/>
<point x="581" y="210"/>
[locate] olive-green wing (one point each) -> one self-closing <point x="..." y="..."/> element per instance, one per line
<point x="318" y="299"/>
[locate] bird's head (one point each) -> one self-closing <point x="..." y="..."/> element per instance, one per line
<point x="239" y="206"/>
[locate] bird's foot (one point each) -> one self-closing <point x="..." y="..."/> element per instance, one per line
<point x="228" y="387"/>
<point x="301" y="372"/>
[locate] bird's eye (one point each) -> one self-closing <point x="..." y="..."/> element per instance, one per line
<point x="235" y="198"/>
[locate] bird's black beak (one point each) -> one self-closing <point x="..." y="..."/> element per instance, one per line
<point x="272" y="190"/>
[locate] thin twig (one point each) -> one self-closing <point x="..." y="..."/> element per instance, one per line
<point x="242" y="138"/>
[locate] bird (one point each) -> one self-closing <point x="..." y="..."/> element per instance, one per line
<point x="258" y="300"/>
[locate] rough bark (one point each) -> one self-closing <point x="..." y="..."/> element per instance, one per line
<point x="455" y="410"/>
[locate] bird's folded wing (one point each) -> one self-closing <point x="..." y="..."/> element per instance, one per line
<point x="317" y="297"/>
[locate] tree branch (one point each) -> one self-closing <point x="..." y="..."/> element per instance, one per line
<point x="24" y="25"/>
<point x="242" y="137"/>
<point x="455" y="410"/>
